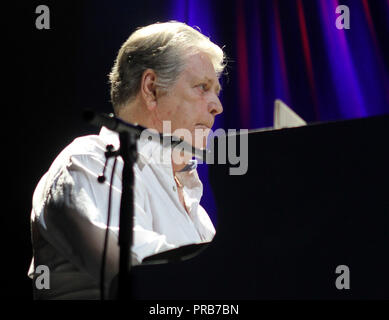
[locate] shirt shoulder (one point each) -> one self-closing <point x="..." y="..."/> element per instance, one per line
<point x="81" y="150"/>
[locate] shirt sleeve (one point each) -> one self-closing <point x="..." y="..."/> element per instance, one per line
<point x="74" y="217"/>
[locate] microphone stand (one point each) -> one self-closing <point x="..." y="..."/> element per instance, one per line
<point x="128" y="151"/>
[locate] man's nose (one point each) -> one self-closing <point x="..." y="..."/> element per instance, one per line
<point x="215" y="107"/>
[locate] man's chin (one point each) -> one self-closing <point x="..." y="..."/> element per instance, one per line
<point x="200" y="138"/>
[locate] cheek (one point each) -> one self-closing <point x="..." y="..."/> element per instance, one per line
<point x="166" y="109"/>
<point x="187" y="114"/>
<point x="183" y="119"/>
<point x="184" y="110"/>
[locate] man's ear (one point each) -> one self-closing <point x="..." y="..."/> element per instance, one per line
<point x="148" y="89"/>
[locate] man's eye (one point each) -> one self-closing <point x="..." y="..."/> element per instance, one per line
<point x="203" y="86"/>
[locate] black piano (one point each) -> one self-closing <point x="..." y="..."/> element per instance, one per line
<point x="314" y="199"/>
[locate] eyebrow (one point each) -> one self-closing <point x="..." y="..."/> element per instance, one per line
<point x="218" y="87"/>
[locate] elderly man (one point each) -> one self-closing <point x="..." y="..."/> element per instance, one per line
<point x="163" y="72"/>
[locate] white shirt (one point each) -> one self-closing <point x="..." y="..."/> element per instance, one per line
<point x="69" y="213"/>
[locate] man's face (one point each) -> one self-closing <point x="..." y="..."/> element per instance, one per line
<point x="192" y="103"/>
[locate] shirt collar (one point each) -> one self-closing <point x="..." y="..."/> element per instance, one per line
<point x="148" y="150"/>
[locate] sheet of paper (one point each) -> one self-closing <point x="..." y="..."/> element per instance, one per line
<point x="285" y="117"/>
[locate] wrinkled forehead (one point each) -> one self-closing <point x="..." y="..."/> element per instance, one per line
<point x="199" y="67"/>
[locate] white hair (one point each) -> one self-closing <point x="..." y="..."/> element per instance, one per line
<point x="164" y="48"/>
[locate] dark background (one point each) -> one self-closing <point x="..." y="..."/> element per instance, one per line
<point x="50" y="76"/>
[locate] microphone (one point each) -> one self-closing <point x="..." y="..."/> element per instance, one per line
<point x="111" y="122"/>
<point x="116" y="124"/>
